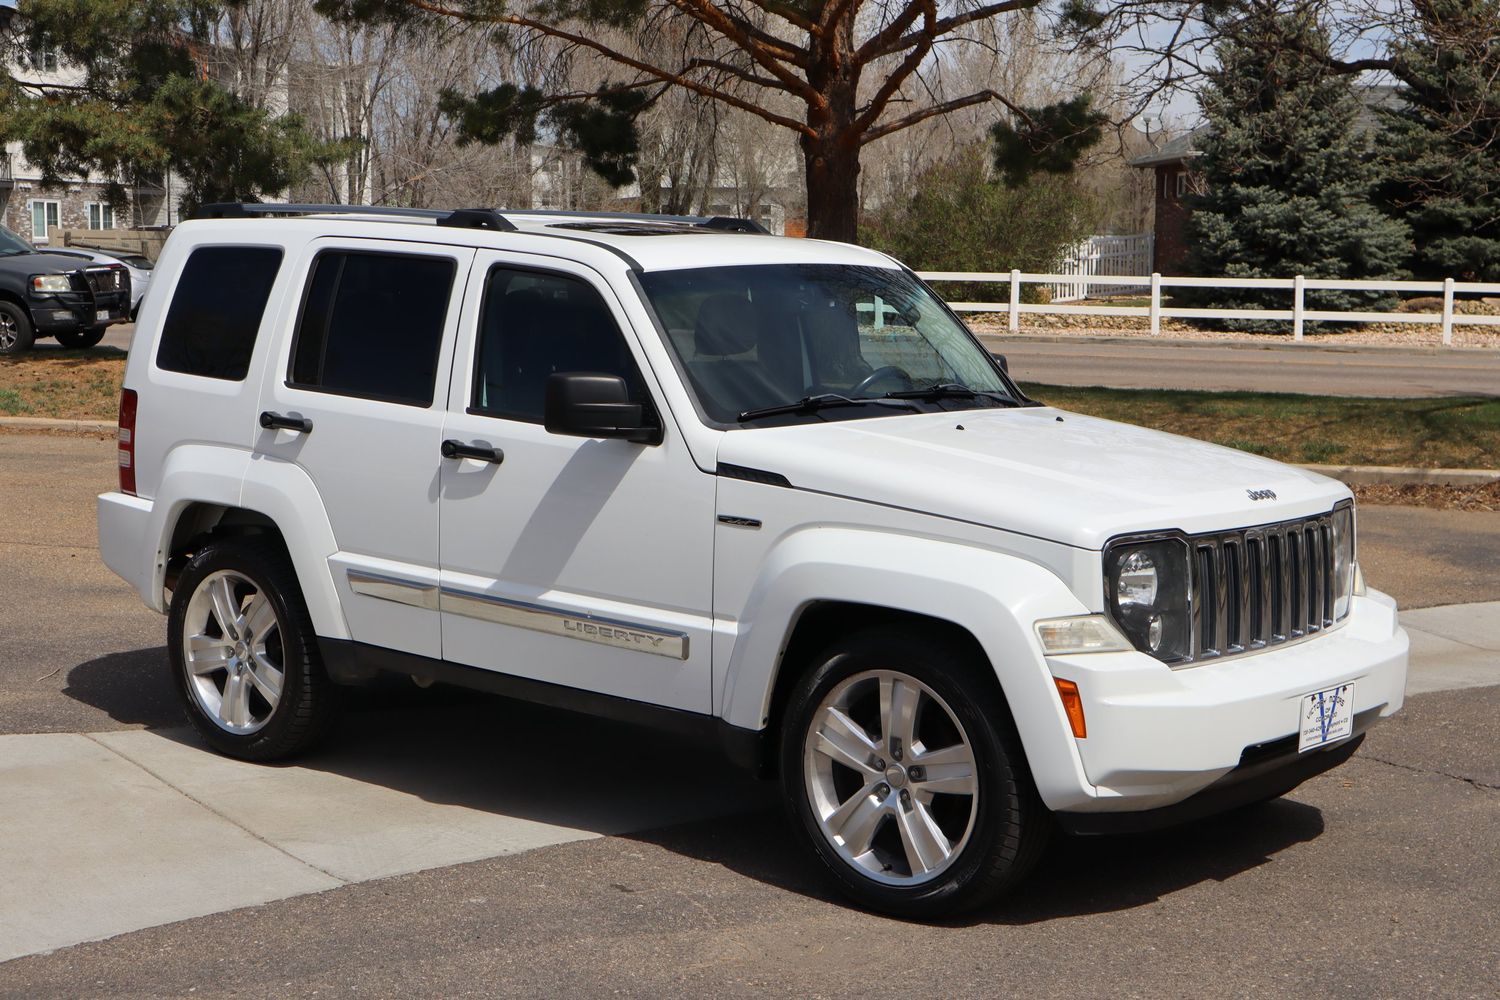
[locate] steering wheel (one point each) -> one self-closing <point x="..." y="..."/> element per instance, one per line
<point x="883" y="372"/>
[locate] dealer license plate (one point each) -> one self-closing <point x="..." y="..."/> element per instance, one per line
<point x="1327" y="717"/>
<point x="101" y="315"/>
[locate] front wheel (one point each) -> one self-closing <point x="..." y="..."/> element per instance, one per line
<point x="81" y="338"/>
<point x="244" y="654"/>
<point x="903" y="772"/>
<point x="16" y="333"/>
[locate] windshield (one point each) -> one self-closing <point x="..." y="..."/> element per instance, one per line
<point x="758" y="337"/>
<point x="11" y="244"/>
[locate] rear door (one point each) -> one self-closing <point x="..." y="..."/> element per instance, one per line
<point x="367" y="368"/>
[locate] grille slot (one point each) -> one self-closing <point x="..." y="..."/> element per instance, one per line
<point x="1259" y="587"/>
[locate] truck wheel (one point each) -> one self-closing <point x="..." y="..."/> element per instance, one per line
<point x="244" y="655"/>
<point x="81" y="338"/>
<point x="16" y="334"/>
<point x="903" y="771"/>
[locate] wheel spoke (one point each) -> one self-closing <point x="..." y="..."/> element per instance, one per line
<point x="898" y="711"/>
<point x="856" y="821"/>
<point x="234" y="707"/>
<point x="259" y="618"/>
<point x="949" y="769"/>
<point x="226" y="607"/>
<point x="206" y="654"/>
<point x="265" y="676"/>
<point x="925" y="844"/>
<point x="846" y="741"/>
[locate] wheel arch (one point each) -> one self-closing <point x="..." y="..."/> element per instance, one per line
<point x="817" y="583"/>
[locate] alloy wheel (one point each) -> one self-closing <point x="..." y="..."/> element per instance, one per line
<point x="891" y="777"/>
<point x="233" y="653"/>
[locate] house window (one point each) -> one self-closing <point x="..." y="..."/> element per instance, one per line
<point x="1182" y="183"/>
<point x="101" y="215"/>
<point x="44" y="218"/>
<point x="42" y="59"/>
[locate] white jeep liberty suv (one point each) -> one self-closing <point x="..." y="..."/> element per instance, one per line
<point x="770" y="491"/>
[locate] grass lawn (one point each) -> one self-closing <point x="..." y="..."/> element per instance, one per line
<point x="1449" y="432"/>
<point x="1452" y="432"/>
<point x="71" y="385"/>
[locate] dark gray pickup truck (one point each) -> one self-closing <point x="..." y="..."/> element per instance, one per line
<point x="50" y="295"/>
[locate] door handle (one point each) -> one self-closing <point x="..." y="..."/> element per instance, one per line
<point x="301" y="425"/>
<point x="481" y="452"/>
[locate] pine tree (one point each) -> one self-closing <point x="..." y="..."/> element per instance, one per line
<point x="148" y="103"/>
<point x="1287" y="180"/>
<point x="1442" y="145"/>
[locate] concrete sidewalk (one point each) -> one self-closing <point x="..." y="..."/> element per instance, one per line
<point x="112" y="832"/>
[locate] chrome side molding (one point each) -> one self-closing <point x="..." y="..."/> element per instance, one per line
<point x="569" y="624"/>
<point x="390" y="588"/>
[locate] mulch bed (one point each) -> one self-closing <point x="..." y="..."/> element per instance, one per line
<point x="1485" y="497"/>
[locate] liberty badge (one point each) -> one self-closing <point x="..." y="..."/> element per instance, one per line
<point x="1327" y="716"/>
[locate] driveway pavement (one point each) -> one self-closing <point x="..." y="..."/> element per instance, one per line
<point x="452" y="844"/>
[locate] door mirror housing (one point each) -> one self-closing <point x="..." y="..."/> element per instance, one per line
<point x="594" y="405"/>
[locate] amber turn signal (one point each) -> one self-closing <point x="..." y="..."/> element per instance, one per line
<point x="1073" y="705"/>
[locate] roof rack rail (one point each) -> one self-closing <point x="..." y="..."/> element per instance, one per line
<point x="464" y="218"/>
<point x="721" y="223"/>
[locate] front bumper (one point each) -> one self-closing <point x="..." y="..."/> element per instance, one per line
<point x="1158" y="736"/>
<point x="65" y="312"/>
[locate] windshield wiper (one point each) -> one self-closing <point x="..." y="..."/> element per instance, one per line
<point x="811" y="404"/>
<point x="953" y="390"/>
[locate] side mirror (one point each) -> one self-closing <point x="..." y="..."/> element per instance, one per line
<point x="1004" y="365"/>
<point x="585" y="404"/>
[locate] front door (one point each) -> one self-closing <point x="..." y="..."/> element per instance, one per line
<point x="581" y="562"/>
<point x="368" y="370"/>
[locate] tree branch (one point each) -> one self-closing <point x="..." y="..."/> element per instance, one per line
<point x="866" y="119"/>
<point x="878" y="43"/>
<point x="666" y="76"/>
<point x="950" y="24"/>
<point x="930" y="112"/>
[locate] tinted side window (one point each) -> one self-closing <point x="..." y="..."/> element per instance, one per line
<point x="372" y="325"/>
<point x="216" y="311"/>
<point x="535" y="324"/>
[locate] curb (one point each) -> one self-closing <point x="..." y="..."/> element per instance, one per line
<point x="58" y="426"/>
<point x="1396" y="475"/>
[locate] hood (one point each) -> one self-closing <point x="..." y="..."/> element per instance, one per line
<point x="1037" y="470"/>
<point x="42" y="262"/>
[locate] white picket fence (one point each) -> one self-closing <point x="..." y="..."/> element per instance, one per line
<point x="1152" y="284"/>
<point x="1110" y="256"/>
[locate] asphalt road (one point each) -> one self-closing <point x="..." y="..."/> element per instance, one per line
<point x="1136" y="363"/>
<point x="1376" y="880"/>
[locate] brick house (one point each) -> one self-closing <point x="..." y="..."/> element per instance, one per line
<point x="1176" y="179"/>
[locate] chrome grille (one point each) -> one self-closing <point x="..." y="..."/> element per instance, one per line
<point x="1259" y="587"/>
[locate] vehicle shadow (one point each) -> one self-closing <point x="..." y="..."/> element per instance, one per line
<point x="1077" y="876"/>
<point x="452" y="747"/>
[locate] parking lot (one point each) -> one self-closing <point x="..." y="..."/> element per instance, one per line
<point x="453" y="844"/>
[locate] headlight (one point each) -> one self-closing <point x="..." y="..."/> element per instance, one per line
<point x="1343" y="560"/>
<point x="1146" y="589"/>
<point x="50" y="283"/>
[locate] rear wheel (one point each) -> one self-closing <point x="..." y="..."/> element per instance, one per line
<point x="81" y="338"/>
<point x="16" y="334"/>
<point x="903" y="772"/>
<point x="244" y="654"/>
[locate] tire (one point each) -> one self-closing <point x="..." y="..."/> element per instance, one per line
<point x="229" y="688"/>
<point x="81" y="339"/>
<point x="873" y="824"/>
<point x="16" y="333"/>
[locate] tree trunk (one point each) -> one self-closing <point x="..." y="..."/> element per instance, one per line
<point x="830" y="156"/>
<point x="832" y="168"/>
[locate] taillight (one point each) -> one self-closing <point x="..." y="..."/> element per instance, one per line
<point x="127" y="441"/>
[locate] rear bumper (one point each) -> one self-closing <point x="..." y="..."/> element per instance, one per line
<point x="1159" y="737"/>
<point x="128" y="546"/>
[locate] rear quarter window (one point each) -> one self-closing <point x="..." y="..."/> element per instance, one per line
<point x="216" y="311"/>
